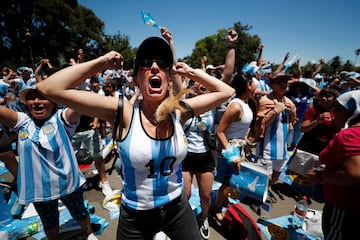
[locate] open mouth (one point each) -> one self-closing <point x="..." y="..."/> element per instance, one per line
<point x="155" y="82"/>
<point x="38" y="109"/>
<point x="202" y="88"/>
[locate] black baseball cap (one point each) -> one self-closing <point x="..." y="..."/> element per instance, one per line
<point x="153" y="48"/>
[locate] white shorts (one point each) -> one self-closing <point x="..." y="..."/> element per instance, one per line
<point x="272" y="165"/>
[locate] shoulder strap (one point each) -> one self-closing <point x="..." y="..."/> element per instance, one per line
<point x="250" y="226"/>
<point x="188" y="111"/>
<point x="118" y="119"/>
<point x="188" y="126"/>
<point x="117" y="132"/>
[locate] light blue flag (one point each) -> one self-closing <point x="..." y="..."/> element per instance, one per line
<point x="148" y="19"/>
<point x="289" y="64"/>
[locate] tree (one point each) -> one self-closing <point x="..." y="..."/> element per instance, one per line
<point x="57" y="28"/>
<point x="121" y="43"/>
<point x="335" y="63"/>
<point x="214" y="47"/>
<point x="357" y="53"/>
<point x="247" y="45"/>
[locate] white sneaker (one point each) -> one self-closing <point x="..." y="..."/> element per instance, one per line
<point x="105" y="188"/>
<point x="204" y="229"/>
<point x="92" y="237"/>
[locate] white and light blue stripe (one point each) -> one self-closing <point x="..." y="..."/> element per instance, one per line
<point x="143" y="161"/>
<point x="48" y="167"/>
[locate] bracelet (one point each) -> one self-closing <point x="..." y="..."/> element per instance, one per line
<point x="231" y="46"/>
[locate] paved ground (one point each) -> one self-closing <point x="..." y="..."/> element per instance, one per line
<point x="282" y="207"/>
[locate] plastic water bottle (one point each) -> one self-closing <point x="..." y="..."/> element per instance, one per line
<point x="265" y="207"/>
<point x="34" y="227"/>
<point x="300" y="212"/>
<point x="30" y="229"/>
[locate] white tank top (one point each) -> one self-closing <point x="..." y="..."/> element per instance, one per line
<point x="239" y="129"/>
<point x="151" y="168"/>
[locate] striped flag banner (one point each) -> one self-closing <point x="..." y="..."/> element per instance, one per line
<point x="148" y="19"/>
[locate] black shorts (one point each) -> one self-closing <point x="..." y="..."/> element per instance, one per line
<point x="175" y="218"/>
<point x="5" y="144"/>
<point x="198" y="162"/>
<point x="49" y="213"/>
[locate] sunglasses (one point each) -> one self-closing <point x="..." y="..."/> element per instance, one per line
<point x="147" y="63"/>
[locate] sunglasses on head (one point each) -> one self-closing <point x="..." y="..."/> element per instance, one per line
<point x="146" y="63"/>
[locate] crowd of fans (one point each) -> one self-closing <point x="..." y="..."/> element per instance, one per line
<point x="301" y="102"/>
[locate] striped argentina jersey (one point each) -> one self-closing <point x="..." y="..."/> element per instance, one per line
<point x="151" y="168"/>
<point x="194" y="134"/>
<point x="275" y="138"/>
<point x="48" y="167"/>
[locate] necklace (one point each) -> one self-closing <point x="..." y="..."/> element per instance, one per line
<point x="149" y="117"/>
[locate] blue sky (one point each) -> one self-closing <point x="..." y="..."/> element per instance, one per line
<point x="308" y="29"/>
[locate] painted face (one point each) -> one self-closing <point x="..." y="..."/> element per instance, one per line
<point x="39" y="107"/>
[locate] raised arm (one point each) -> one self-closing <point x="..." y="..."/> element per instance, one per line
<point x="169" y="38"/>
<point x="232" y="38"/>
<point x="259" y="60"/>
<point x="9" y="78"/>
<point x="203" y="60"/>
<point x="282" y="64"/>
<point x="177" y="81"/>
<point x="43" y="63"/>
<point x="299" y="67"/>
<point x="318" y="67"/>
<point x="59" y="87"/>
<point x="219" y="92"/>
<point x="8" y="117"/>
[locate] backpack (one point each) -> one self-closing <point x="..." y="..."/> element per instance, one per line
<point x="238" y="224"/>
<point x="83" y="156"/>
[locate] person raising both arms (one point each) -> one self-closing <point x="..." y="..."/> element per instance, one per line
<point x="47" y="169"/>
<point x="153" y="143"/>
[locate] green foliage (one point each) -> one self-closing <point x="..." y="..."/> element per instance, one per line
<point x="53" y="29"/>
<point x="214" y="48"/>
<point x="56" y="29"/>
<point x="120" y="43"/>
